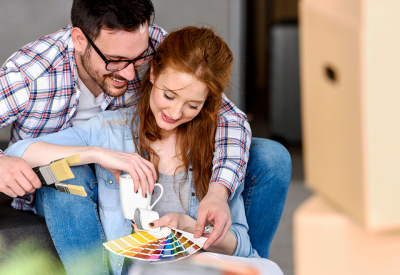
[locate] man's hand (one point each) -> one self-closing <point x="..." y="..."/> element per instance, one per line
<point x="17" y="177"/>
<point x="214" y="207"/>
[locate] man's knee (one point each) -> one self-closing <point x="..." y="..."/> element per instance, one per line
<point x="83" y="176"/>
<point x="272" y="157"/>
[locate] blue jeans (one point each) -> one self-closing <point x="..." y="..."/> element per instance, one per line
<point x="75" y="227"/>
<point x="267" y="182"/>
<point x="74" y="224"/>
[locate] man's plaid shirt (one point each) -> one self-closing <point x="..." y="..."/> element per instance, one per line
<point x="39" y="95"/>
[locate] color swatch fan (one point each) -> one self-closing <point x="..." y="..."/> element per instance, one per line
<point x="164" y="246"/>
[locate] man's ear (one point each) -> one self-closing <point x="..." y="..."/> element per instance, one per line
<point x="151" y="70"/>
<point x="79" y="39"/>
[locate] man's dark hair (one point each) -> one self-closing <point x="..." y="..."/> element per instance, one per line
<point x="92" y="15"/>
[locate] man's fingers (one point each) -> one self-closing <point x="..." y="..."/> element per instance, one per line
<point x="218" y="229"/>
<point x="17" y="189"/>
<point x="25" y="184"/>
<point x="9" y="192"/>
<point x="31" y="176"/>
<point x="200" y="224"/>
<point x="222" y="236"/>
<point x="13" y="179"/>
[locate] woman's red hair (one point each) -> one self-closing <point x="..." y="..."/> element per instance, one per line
<point x="203" y="54"/>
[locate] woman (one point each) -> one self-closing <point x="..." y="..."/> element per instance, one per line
<point x="172" y="127"/>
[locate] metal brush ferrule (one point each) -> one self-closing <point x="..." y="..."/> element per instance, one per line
<point x="62" y="187"/>
<point x="48" y="175"/>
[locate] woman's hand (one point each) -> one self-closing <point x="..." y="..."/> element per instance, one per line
<point x="186" y="223"/>
<point x="173" y="220"/>
<point x="140" y="169"/>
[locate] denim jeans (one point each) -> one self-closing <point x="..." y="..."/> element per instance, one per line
<point x="75" y="227"/>
<point x="267" y="182"/>
<point x="74" y="224"/>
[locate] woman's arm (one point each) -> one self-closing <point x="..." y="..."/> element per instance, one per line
<point x="87" y="140"/>
<point x="40" y="153"/>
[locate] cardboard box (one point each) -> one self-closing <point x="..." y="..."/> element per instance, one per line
<point x="351" y="106"/>
<point x="329" y="242"/>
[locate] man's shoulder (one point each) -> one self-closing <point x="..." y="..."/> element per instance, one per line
<point x="44" y="54"/>
<point x="157" y="34"/>
<point x="228" y="108"/>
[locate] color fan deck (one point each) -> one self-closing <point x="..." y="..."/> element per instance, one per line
<point x="165" y="246"/>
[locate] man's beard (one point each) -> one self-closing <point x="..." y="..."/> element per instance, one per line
<point x="101" y="80"/>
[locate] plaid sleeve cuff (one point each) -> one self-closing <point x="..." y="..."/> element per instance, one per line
<point x="228" y="178"/>
<point x="25" y="204"/>
<point x="2" y="153"/>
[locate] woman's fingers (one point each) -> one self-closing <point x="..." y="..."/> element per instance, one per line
<point x="142" y="178"/>
<point x="170" y="220"/>
<point x="142" y="171"/>
<point x="135" y="228"/>
<point x="152" y="169"/>
<point x="163" y="221"/>
<point x="148" y="176"/>
<point x="135" y="178"/>
<point x="116" y="174"/>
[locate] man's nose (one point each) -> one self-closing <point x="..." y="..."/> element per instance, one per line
<point x="128" y="73"/>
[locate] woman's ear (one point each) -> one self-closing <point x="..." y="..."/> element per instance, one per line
<point x="79" y="39"/>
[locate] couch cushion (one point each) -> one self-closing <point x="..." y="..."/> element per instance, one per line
<point x="18" y="226"/>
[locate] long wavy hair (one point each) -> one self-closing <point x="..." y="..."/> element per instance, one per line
<point x="203" y="54"/>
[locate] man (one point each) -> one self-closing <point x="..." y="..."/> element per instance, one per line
<point x="68" y="77"/>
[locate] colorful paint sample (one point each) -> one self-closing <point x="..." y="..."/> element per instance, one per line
<point x="165" y="246"/>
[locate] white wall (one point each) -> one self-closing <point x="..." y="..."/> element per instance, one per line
<point x="225" y="16"/>
<point x="24" y="21"/>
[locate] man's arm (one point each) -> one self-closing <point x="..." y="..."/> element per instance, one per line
<point x="16" y="176"/>
<point x="232" y="146"/>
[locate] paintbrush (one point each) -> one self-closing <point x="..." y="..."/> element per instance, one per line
<point x="52" y="174"/>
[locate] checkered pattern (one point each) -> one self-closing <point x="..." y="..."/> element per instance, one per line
<point x="39" y="95"/>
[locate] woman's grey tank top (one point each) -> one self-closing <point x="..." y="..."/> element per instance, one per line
<point x="170" y="202"/>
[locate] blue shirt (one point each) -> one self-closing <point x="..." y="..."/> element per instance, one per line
<point x="112" y="130"/>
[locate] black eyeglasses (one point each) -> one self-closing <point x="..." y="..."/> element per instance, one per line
<point x="117" y="65"/>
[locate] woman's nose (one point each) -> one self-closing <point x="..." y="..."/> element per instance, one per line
<point x="176" y="111"/>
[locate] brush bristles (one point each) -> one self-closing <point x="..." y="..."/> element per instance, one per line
<point x="72" y="160"/>
<point x="77" y="190"/>
<point x="61" y="170"/>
